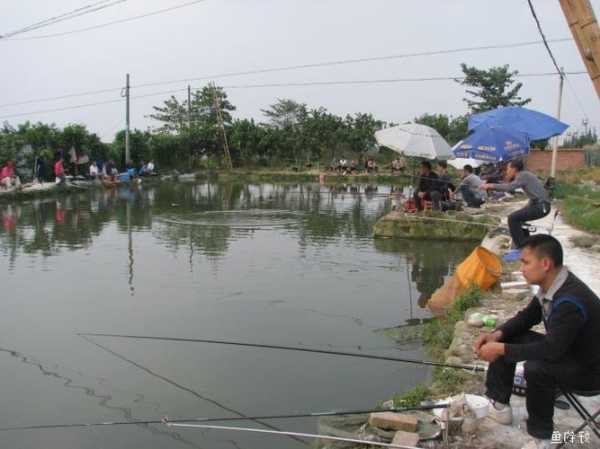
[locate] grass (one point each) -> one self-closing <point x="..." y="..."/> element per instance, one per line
<point x="438" y="333"/>
<point x="574" y="177"/>
<point x="580" y="205"/>
<point x="437" y="336"/>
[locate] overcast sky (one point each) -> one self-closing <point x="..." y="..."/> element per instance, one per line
<point x="220" y="36"/>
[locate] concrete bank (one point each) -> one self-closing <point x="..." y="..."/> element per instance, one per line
<point x="505" y="303"/>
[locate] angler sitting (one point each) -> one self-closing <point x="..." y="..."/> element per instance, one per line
<point x="8" y="177"/>
<point x="566" y="356"/>
<point x="428" y="188"/>
<point x="469" y="188"/>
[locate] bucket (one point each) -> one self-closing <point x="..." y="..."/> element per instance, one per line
<point x="482" y="268"/>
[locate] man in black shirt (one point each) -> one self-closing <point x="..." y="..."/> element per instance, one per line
<point x="566" y="355"/>
<point x="428" y="188"/>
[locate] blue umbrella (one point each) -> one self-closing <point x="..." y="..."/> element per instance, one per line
<point x="493" y="144"/>
<point x="535" y="124"/>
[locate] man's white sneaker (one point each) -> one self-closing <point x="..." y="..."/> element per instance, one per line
<point x="501" y="413"/>
<point x="535" y="443"/>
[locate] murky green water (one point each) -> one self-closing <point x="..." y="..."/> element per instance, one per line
<point x="283" y="264"/>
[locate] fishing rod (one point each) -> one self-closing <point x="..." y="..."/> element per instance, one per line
<point x="223" y="419"/>
<point x="480" y="368"/>
<point x="296" y="434"/>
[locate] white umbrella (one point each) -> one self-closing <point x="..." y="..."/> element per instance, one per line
<point x="414" y="140"/>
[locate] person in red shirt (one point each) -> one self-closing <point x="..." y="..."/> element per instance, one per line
<point x="59" y="171"/>
<point x="8" y="178"/>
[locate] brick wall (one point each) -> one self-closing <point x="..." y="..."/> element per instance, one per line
<point x="567" y="159"/>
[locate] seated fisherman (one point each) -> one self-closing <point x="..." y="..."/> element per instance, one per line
<point x="398" y="165"/>
<point x="445" y="182"/>
<point x="539" y="201"/>
<point x="8" y="177"/>
<point x="469" y="188"/>
<point x="428" y="188"/>
<point x="565" y="356"/>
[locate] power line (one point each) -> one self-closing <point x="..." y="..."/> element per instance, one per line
<point x="103" y="25"/>
<point x="300" y="84"/>
<point x="354" y="61"/>
<point x="539" y="27"/>
<point x="88" y="9"/>
<point x="574" y="92"/>
<point x="374" y="81"/>
<point x="61" y="97"/>
<point x="293" y="67"/>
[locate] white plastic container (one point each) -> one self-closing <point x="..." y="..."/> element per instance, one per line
<point x="478" y="405"/>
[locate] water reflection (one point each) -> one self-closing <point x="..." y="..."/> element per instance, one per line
<point x="202" y="217"/>
<point x="294" y="264"/>
<point x="429" y="262"/>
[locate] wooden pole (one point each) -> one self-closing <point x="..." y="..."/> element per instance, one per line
<point x="584" y="27"/>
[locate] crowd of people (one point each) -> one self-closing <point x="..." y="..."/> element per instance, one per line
<point x="100" y="169"/>
<point x="439" y="192"/>
<point x="108" y="170"/>
<point x="347" y="167"/>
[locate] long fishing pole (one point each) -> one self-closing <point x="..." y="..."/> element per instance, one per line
<point x="480" y="368"/>
<point x="227" y="419"/>
<point x="296" y="434"/>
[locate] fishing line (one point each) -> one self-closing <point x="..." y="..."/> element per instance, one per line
<point x="224" y="419"/>
<point x="296" y="434"/>
<point x="480" y="368"/>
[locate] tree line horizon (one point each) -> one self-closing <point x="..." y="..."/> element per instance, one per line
<point x="188" y="136"/>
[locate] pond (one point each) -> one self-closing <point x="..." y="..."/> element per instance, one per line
<point x="285" y="264"/>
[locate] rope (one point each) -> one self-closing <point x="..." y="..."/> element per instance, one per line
<point x="421" y="217"/>
<point x="297" y="434"/>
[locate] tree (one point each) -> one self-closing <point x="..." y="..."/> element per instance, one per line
<point x="453" y="129"/>
<point x="285" y="113"/>
<point x="172" y="115"/>
<point x="580" y="139"/>
<point x="139" y="142"/>
<point x="491" y="88"/>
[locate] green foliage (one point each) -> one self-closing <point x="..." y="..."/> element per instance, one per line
<point x="583" y="211"/>
<point x="139" y="147"/>
<point x="491" y="88"/>
<point x="579" y="140"/>
<point x="285" y="113"/>
<point x="453" y="129"/>
<point x="412" y="397"/>
<point x="448" y="380"/>
<point x="438" y="333"/>
<point x="29" y="140"/>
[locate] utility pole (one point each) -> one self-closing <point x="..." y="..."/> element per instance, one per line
<point x="217" y="105"/>
<point x="189" y="108"/>
<point x="555" y="138"/>
<point x="189" y="120"/>
<point x="584" y="27"/>
<point x="127" y="153"/>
